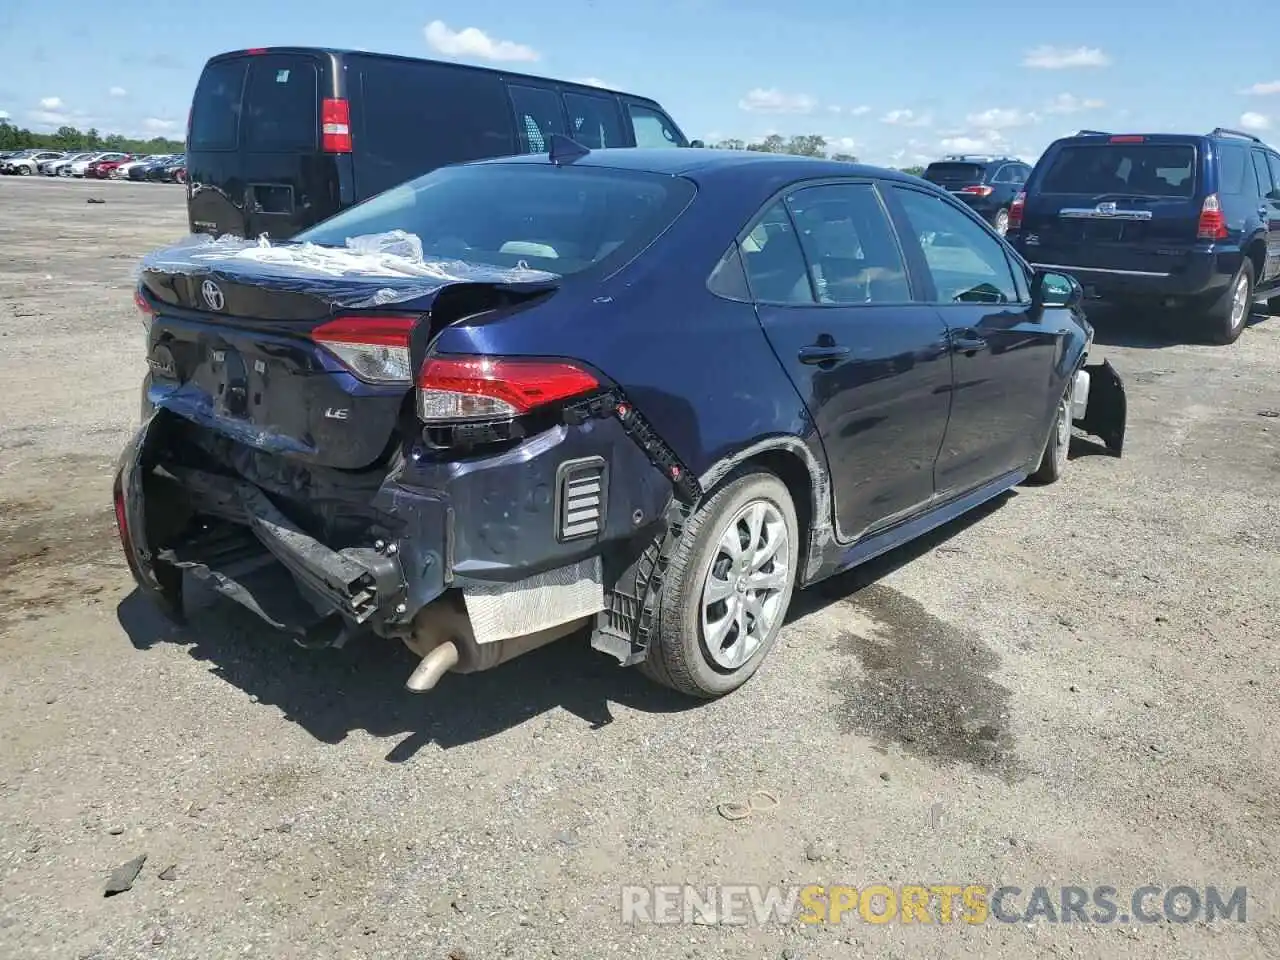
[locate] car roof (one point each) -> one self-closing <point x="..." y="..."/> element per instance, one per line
<point x="692" y="161"/>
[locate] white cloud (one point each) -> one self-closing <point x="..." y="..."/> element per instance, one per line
<point x="906" y="118"/>
<point x="835" y="108"/>
<point x="1068" y="103"/>
<point x="1255" y="121"/>
<point x="118" y="92"/>
<point x="595" y="82"/>
<point x="861" y="111"/>
<point x="842" y="145"/>
<point x="50" y="103"/>
<point x="1062" y="58"/>
<point x="473" y="42"/>
<point x="156" y="125"/>
<point x="49" y="118"/>
<point x="760" y="100"/>
<point x="4" y="114"/>
<point x="992" y="143"/>
<point x="1262" y="89"/>
<point x="1000" y="119"/>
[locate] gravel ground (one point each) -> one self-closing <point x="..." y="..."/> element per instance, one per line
<point x="1077" y="686"/>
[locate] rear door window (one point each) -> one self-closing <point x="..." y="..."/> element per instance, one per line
<point x="215" y="111"/>
<point x="538" y="116"/>
<point x="594" y="122"/>
<point x="1129" y="169"/>
<point x="1261" y="173"/>
<point x="281" y="105"/>
<point x="1232" y="165"/>
<point x="1274" y="162"/>
<point x="652" y="128"/>
<point x="415" y="116"/>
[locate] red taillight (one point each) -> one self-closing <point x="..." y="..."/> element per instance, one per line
<point x="979" y="190"/>
<point x="452" y="389"/>
<point x="335" y="126"/>
<point x="140" y="301"/>
<point x="375" y="349"/>
<point x="122" y="518"/>
<point x="1016" y="210"/>
<point x="1212" y="225"/>
<point x="256" y="51"/>
<point x="1128" y="138"/>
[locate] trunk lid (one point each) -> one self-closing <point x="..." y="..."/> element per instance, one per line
<point x="236" y="346"/>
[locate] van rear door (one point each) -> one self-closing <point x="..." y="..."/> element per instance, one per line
<point x="1127" y="203"/>
<point x="255" y="163"/>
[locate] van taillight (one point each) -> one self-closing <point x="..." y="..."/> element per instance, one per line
<point x="335" y="126"/>
<point x="1212" y="225"/>
<point x="1016" y="210"/>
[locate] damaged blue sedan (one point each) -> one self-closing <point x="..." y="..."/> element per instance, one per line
<point x="640" y="395"/>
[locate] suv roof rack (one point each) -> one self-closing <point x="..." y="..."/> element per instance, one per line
<point x="1092" y="133"/>
<point x="1228" y="132"/>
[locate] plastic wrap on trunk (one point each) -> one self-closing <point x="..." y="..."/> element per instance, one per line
<point x="326" y="272"/>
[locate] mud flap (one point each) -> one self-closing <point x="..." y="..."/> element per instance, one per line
<point x="1107" y="412"/>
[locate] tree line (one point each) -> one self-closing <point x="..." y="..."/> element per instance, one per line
<point x="69" y="138"/>
<point x="806" y="145"/>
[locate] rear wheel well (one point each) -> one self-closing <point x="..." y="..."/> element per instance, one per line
<point x="1257" y="252"/>
<point x="792" y="471"/>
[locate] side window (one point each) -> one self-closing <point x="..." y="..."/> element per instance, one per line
<point x="1232" y="165"/>
<point x="594" y="121"/>
<point x="1274" y="161"/>
<point x="772" y="259"/>
<point x="538" y="116"/>
<point x="1020" y="173"/>
<point x="215" y="111"/>
<point x="1003" y="174"/>
<point x="652" y="128"/>
<point x="968" y="264"/>
<point x="849" y="245"/>
<point x="1262" y="173"/>
<point x="729" y="278"/>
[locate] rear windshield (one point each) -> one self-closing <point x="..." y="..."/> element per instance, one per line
<point x="281" y="103"/>
<point x="563" y="220"/>
<point x="1131" y="169"/>
<point x="215" y="111"/>
<point x="938" y="172"/>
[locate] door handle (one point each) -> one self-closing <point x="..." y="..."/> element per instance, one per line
<point x="822" y="354"/>
<point x="967" y="343"/>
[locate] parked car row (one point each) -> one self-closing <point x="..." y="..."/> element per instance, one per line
<point x="95" y="165"/>
<point x="1185" y="223"/>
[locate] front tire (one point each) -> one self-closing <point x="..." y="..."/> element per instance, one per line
<point x="24" y="172"/>
<point x="1053" y="462"/>
<point x="728" y="584"/>
<point x="1001" y="222"/>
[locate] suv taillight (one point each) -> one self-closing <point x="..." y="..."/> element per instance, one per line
<point x="335" y="126"/>
<point x="1016" y="210"/>
<point x="1212" y="225"/>
<point x="458" y="389"/>
<point x="375" y="349"/>
<point x="979" y="190"/>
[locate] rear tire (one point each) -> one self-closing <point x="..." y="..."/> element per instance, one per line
<point x="1053" y="462"/>
<point x="24" y="171"/>
<point x="728" y="584"/>
<point x="1229" y="314"/>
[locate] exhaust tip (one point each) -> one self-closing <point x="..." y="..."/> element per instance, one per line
<point x="433" y="666"/>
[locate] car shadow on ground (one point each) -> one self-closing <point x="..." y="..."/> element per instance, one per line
<point x="1150" y="328"/>
<point x="334" y="692"/>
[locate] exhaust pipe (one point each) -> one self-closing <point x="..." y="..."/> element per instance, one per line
<point x="433" y="666"/>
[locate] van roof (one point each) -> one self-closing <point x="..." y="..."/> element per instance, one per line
<point x="341" y="52"/>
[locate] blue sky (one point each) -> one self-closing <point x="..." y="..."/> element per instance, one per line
<point x="893" y="83"/>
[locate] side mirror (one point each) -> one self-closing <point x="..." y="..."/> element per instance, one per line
<point x="697" y="144"/>
<point x="1055" y="290"/>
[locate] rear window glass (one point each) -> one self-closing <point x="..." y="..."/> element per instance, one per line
<point x="564" y="220"/>
<point x="215" y="112"/>
<point x="939" y="172"/>
<point x="1131" y="169"/>
<point x="281" y="105"/>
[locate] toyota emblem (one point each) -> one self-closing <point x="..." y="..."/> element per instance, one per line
<point x="212" y="294"/>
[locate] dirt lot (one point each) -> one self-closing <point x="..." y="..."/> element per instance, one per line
<point x="1078" y="686"/>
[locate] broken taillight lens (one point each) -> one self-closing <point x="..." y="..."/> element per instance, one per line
<point x="469" y="388"/>
<point x="375" y="349"/>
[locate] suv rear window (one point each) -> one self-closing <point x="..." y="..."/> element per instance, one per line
<point x="215" y="111"/>
<point x="1133" y="169"/>
<point x="559" y="219"/>
<point x="280" y="105"/>
<point x="954" y="172"/>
